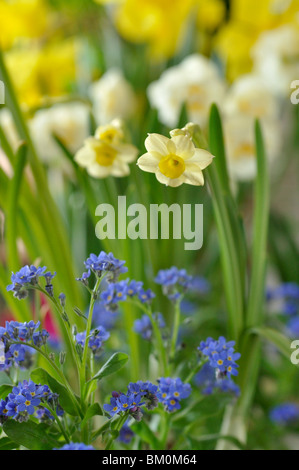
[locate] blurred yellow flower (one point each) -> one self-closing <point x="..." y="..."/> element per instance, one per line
<point x="210" y="14"/>
<point x="160" y="23"/>
<point x="174" y="161"/>
<point x="39" y="73"/>
<point x="107" y="153"/>
<point x="21" y="19"/>
<point x="248" y="19"/>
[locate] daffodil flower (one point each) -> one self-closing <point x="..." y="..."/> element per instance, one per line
<point x="107" y="153"/>
<point x="174" y="161"/>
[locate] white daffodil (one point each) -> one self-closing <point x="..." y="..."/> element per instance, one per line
<point x="112" y="97"/>
<point x="174" y="161"/>
<point x="195" y="82"/>
<point x="276" y="57"/>
<point x="251" y="96"/>
<point x="68" y="121"/>
<point x="240" y="145"/>
<point x="107" y="153"/>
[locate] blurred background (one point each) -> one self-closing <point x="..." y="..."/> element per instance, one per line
<point x="71" y="66"/>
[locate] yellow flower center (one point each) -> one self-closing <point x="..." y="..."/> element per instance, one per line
<point x="27" y="403"/>
<point x="108" y="134"/>
<point x="220" y="362"/>
<point x="172" y="402"/>
<point x="125" y="405"/>
<point x="176" y="394"/>
<point x="105" y="154"/>
<point x="172" y="166"/>
<point x="245" y="149"/>
<point x="115" y="408"/>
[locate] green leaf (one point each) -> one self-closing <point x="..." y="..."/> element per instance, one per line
<point x="30" y="435"/>
<point x="7" y="444"/>
<point x="12" y="210"/>
<point x="183" y="118"/>
<point x="215" y="437"/>
<point x="275" y="337"/>
<point x="104" y="428"/>
<point x="5" y="390"/>
<point x="146" y="434"/>
<point x="93" y="410"/>
<point x="216" y="143"/>
<point x="115" y="363"/>
<point x="41" y="376"/>
<point x="4" y="379"/>
<point x="260" y="234"/>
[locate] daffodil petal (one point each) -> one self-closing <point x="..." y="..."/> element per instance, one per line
<point x="85" y="156"/>
<point x="148" y="162"/>
<point x="184" y="146"/>
<point x="120" y="168"/>
<point x="202" y="158"/>
<point x="194" y="177"/>
<point x="157" y="143"/>
<point x="98" y="171"/>
<point x="169" y="181"/>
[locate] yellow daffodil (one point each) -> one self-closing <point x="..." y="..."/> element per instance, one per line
<point x="248" y="20"/>
<point x="174" y="161"/>
<point x="210" y="14"/>
<point x="159" y="23"/>
<point x="22" y="19"/>
<point x="40" y="73"/>
<point x="107" y="153"/>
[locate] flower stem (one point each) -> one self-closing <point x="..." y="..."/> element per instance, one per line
<point x="176" y="327"/>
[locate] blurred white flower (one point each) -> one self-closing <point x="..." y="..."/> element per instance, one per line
<point x="8" y="126"/>
<point x="240" y="145"/>
<point x="276" y="57"/>
<point x="107" y="153"/>
<point x="251" y="96"/>
<point x="196" y="82"/>
<point x="68" y="121"/>
<point x="112" y="97"/>
<point x="174" y="161"/>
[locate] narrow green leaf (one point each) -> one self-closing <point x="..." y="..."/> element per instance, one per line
<point x="216" y="143"/>
<point x="12" y="210"/>
<point x="183" y="118"/>
<point x="215" y="437"/>
<point x="282" y="342"/>
<point x="114" y="364"/>
<point x="260" y="234"/>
